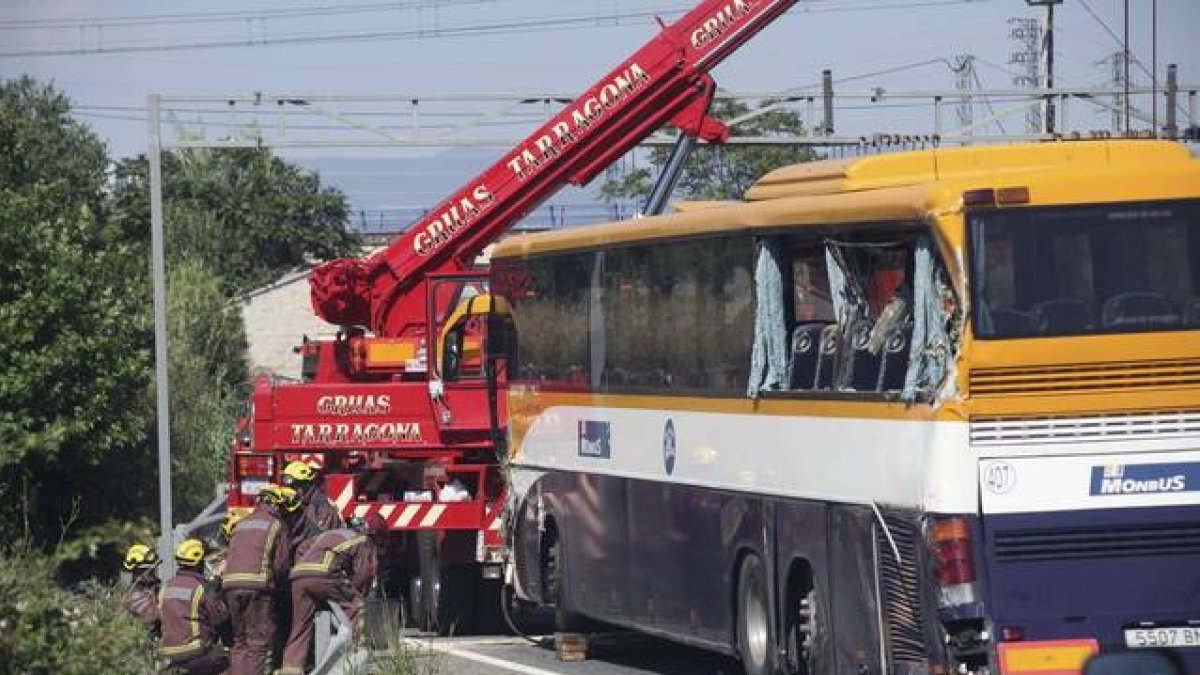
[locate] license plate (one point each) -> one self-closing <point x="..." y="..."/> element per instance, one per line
<point x="1166" y="636"/>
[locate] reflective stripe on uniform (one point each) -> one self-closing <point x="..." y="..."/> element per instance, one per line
<point x="193" y="596"/>
<point x="325" y="564"/>
<point x="190" y="648"/>
<point x="177" y="593"/>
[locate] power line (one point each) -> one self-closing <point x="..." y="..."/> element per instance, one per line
<point x="477" y="29"/>
<point x="522" y="25"/>
<point x="1113" y="35"/>
<point x="224" y="17"/>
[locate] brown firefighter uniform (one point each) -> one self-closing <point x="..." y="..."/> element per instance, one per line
<point x="256" y="567"/>
<point x="192" y="611"/>
<point x="142" y="600"/>
<point x="318" y="510"/>
<point x="338" y="567"/>
<point x="319" y="515"/>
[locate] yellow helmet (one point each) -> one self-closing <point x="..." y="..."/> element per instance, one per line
<point x="190" y="553"/>
<point x="232" y="517"/>
<point x="298" y="472"/>
<point x="140" y="557"/>
<point x="284" y="497"/>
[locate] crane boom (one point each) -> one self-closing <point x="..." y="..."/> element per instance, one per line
<point x="665" y="82"/>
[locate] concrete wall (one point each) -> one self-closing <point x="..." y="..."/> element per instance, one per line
<point x="277" y="318"/>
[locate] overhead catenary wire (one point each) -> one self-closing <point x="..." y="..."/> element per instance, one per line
<point x="230" y="16"/>
<point x="519" y="25"/>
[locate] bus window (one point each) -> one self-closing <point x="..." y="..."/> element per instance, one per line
<point x="851" y="307"/>
<point x="1075" y="270"/>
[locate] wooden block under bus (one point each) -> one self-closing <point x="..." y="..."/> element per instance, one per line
<point x="571" y="646"/>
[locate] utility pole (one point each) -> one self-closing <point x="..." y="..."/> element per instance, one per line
<point x="1116" y="63"/>
<point x="1027" y="33"/>
<point x="1048" y="122"/>
<point x="964" y="71"/>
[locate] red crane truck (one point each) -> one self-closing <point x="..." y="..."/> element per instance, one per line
<point x="399" y="409"/>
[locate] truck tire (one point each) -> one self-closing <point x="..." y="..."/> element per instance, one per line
<point x="446" y="593"/>
<point x="417" y="617"/>
<point x="453" y="611"/>
<point x="756" y="644"/>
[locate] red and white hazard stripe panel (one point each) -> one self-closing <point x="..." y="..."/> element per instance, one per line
<point x="467" y="515"/>
<point x="494" y="518"/>
<point x="424" y="515"/>
<point x="314" y="459"/>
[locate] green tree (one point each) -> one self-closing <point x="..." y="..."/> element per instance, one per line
<point x="246" y="214"/>
<point x="48" y="630"/>
<point x="717" y="172"/>
<point x="207" y="374"/>
<point x="74" y="332"/>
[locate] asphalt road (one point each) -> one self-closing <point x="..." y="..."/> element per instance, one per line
<point x="609" y="654"/>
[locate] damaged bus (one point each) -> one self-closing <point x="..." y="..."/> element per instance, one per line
<point x="922" y="412"/>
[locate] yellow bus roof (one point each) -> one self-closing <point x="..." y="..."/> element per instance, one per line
<point x="902" y="186"/>
<point x="946" y="164"/>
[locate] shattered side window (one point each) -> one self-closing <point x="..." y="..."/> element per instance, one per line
<point x="862" y="313"/>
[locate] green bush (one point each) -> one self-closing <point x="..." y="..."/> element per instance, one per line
<point x="46" y="629"/>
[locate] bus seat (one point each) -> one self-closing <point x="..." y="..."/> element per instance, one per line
<point x="893" y="366"/>
<point x="806" y="351"/>
<point x="864" y="366"/>
<point x="827" y="358"/>
<point x="1191" y="312"/>
<point x="1064" y="315"/>
<point x="1012" y="322"/>
<point x="1138" y="309"/>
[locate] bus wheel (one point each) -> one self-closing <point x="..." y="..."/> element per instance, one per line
<point x="565" y="620"/>
<point x="803" y="633"/>
<point x="755" y="644"/>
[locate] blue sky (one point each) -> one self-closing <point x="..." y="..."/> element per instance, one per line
<point x="420" y="46"/>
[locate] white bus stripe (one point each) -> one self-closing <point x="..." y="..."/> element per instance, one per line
<point x="386" y="510"/>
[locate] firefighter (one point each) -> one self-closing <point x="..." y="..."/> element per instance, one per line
<point x="218" y="546"/>
<point x="256" y="569"/>
<point x="339" y="567"/>
<point x="318" y="510"/>
<point x="192" y="612"/>
<point x="142" y="599"/>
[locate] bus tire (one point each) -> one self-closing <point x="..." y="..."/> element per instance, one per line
<point x="804" y="632"/>
<point x="553" y="576"/>
<point x="756" y="645"/>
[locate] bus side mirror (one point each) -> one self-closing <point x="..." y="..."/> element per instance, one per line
<point x="1139" y="662"/>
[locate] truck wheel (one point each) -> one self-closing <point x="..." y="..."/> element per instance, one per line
<point x="453" y="601"/>
<point x="755" y="643"/>
<point x="417" y="617"/>
<point x="447" y="592"/>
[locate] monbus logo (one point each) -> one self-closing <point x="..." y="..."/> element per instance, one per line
<point x="1145" y="479"/>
